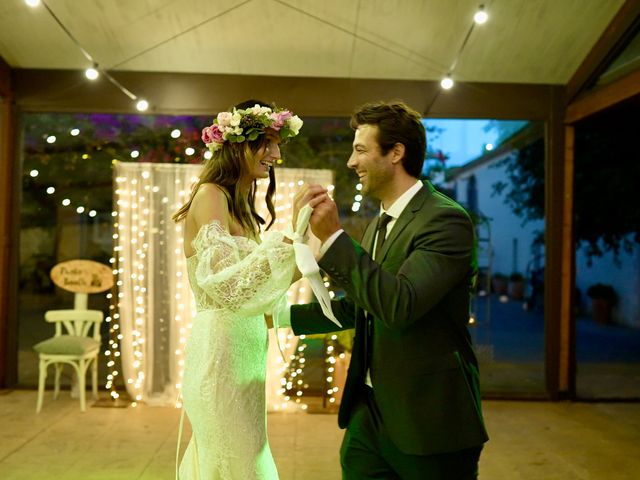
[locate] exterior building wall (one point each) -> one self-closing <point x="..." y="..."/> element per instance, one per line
<point x="513" y="250"/>
<point x="511" y="240"/>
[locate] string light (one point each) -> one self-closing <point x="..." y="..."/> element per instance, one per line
<point x="330" y="368"/>
<point x="142" y="105"/>
<point x="447" y="82"/>
<point x="480" y="16"/>
<point x="357" y="199"/>
<point x="135" y="196"/>
<point x="91" y="73"/>
<point x="293" y="384"/>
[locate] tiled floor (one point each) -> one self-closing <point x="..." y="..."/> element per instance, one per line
<point x="529" y="440"/>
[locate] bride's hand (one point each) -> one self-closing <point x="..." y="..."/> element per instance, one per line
<point x="304" y="195"/>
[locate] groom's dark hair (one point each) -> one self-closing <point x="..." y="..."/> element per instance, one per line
<point x="397" y="123"/>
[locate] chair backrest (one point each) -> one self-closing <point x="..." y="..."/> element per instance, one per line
<point x="76" y="322"/>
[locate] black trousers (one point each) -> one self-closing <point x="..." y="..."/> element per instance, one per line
<point x="367" y="452"/>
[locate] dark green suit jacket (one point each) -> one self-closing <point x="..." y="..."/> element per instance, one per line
<point x="423" y="369"/>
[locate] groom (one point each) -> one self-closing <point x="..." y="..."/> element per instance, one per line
<point x="411" y="403"/>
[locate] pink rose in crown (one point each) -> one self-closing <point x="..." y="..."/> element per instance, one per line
<point x="212" y="134"/>
<point x="279" y="118"/>
<point x="217" y="133"/>
<point x="207" y="135"/>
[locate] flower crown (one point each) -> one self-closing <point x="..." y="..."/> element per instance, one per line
<point x="247" y="125"/>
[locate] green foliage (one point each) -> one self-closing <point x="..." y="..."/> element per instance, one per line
<point x="607" y="167"/>
<point x="344" y="339"/>
<point x="80" y="167"/>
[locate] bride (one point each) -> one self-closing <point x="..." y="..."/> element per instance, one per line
<point x="238" y="281"/>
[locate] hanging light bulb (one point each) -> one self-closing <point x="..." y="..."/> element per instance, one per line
<point x="446" y="82"/>
<point x="91" y="73"/>
<point x="32" y="3"/>
<point x="142" y="105"/>
<point x="481" y="16"/>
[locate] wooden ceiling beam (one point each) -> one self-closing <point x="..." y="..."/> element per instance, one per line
<point x="5" y="79"/>
<point x="605" y="49"/>
<point x="604" y="97"/>
<point x="204" y="94"/>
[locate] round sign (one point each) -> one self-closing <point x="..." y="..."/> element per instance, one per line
<point x="82" y="276"/>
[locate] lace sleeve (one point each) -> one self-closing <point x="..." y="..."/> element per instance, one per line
<point x="246" y="281"/>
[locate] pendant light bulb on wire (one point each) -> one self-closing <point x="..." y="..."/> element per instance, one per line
<point x="142" y="105"/>
<point x="446" y="82"/>
<point x="32" y="3"/>
<point x="91" y="73"/>
<point x="481" y="16"/>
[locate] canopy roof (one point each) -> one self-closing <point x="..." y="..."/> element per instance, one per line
<point x="195" y="56"/>
<point x="523" y="41"/>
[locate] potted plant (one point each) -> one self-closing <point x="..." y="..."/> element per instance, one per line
<point x="499" y="283"/>
<point x="603" y="299"/>
<point x="516" y="286"/>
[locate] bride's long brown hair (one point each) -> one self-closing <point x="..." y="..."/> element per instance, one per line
<point x="226" y="168"/>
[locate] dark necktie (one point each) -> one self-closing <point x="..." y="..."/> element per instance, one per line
<point x="381" y="230"/>
<point x="383" y="221"/>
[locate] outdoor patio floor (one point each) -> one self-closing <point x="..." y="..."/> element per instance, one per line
<point x="529" y="441"/>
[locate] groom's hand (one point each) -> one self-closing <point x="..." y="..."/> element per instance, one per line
<point x="324" y="220"/>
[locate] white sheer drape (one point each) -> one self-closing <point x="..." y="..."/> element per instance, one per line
<point x="155" y="304"/>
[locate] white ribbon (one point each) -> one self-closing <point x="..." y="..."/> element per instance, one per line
<point x="307" y="264"/>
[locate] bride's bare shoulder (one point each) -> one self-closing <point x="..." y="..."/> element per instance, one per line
<point x="209" y="204"/>
<point x="210" y="190"/>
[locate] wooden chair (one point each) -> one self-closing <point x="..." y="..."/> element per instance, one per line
<point x="78" y="347"/>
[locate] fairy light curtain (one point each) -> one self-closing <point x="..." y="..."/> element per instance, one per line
<point x="153" y="306"/>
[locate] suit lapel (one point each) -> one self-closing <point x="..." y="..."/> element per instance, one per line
<point x="369" y="236"/>
<point x="404" y="219"/>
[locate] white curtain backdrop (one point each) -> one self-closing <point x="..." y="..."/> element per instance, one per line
<point x="155" y="304"/>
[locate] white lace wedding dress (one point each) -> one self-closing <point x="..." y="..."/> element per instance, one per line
<point x="235" y="281"/>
